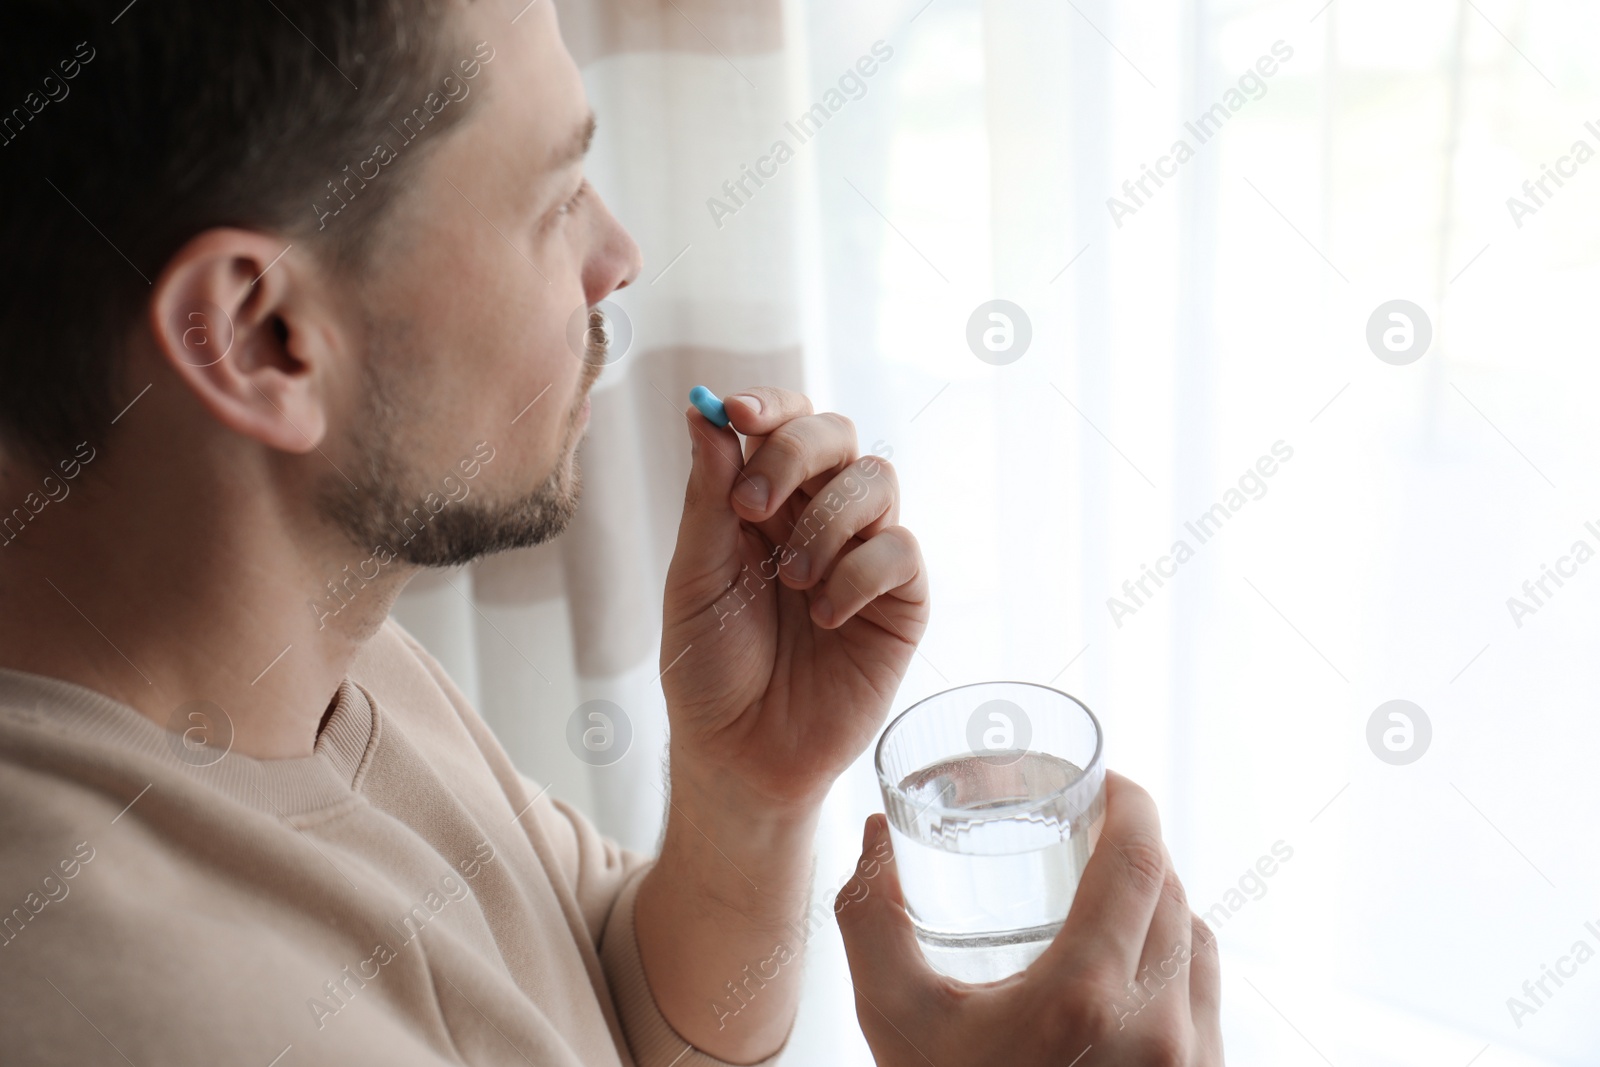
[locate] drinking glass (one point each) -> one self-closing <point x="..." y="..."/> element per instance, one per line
<point x="995" y="794"/>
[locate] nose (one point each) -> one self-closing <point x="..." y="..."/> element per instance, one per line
<point x="615" y="260"/>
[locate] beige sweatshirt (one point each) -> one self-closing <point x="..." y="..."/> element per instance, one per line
<point x="402" y="896"/>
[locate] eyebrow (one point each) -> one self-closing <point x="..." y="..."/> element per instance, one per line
<point x="575" y="147"/>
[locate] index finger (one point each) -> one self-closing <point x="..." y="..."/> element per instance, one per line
<point x="1110" y="917"/>
<point x="761" y="409"/>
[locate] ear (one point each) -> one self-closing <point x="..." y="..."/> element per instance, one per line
<point x="246" y="328"/>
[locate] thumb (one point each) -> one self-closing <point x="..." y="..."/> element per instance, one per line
<point x="708" y="535"/>
<point x="886" y="963"/>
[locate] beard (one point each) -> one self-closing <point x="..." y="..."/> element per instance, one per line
<point x="383" y="501"/>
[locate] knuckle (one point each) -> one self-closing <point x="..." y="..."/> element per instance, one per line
<point x="1173" y="895"/>
<point x="1145" y="862"/>
<point x="793" y="400"/>
<point x="1165" y="1046"/>
<point x="1134" y="792"/>
<point x="775" y="397"/>
<point x="906" y="563"/>
<point x="904" y="538"/>
<point x="879" y="470"/>
<point x="842" y="902"/>
<point x="844" y="424"/>
<point x="848" y="584"/>
<point x="809" y="529"/>
<point x="1086" y="1015"/>
<point x="784" y="447"/>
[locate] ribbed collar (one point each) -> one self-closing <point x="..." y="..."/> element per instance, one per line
<point x="51" y="713"/>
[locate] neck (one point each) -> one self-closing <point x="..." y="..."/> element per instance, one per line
<point x="158" y="586"/>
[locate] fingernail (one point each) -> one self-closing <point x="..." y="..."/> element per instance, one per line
<point x="822" y="610"/>
<point x="752" y="492"/>
<point x="869" y="834"/>
<point x="751" y="402"/>
<point x="799" y="567"/>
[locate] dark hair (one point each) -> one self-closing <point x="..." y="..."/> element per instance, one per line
<point x="126" y="129"/>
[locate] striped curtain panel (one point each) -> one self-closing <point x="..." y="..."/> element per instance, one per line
<point x="688" y="94"/>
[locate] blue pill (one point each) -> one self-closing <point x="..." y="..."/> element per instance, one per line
<point x="707" y="403"/>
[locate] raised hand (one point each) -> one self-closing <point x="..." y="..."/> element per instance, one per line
<point x="794" y="600"/>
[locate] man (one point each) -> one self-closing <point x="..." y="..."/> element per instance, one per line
<point x="285" y="310"/>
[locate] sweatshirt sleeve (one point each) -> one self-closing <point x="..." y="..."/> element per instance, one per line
<point x="606" y="879"/>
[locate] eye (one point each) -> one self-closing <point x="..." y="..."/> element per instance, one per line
<point x="577" y="199"/>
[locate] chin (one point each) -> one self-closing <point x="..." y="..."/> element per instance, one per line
<point x="478" y="526"/>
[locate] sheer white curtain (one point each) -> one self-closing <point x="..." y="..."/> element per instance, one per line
<point x="1218" y="332"/>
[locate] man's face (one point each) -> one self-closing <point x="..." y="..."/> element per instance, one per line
<point x="462" y="332"/>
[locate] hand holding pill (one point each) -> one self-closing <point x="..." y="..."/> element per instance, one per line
<point x="794" y="597"/>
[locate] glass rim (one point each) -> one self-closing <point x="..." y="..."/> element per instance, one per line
<point x="1088" y="769"/>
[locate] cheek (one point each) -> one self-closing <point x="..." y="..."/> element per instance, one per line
<point x="486" y="340"/>
<point x="507" y="345"/>
<point x="527" y="380"/>
<point x="547" y="353"/>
